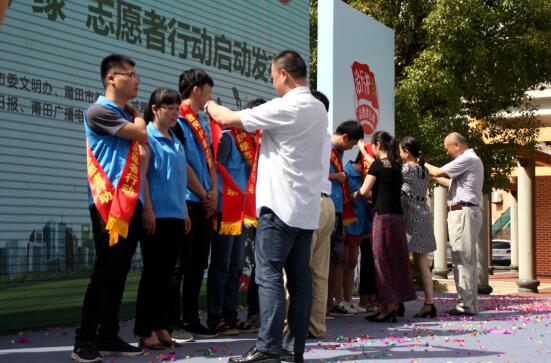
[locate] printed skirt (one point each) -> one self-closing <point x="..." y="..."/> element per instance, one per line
<point x="390" y="254"/>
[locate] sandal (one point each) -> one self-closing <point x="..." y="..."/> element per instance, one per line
<point x="245" y="327"/>
<point x="370" y="308"/>
<point x="224" y="329"/>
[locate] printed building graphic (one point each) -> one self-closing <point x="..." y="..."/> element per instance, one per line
<point x="49" y="75"/>
<point x="54" y="248"/>
<point x="50" y="249"/>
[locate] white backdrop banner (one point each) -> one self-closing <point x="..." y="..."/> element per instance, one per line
<point x="355" y="67"/>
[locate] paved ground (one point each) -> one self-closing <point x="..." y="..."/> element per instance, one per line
<point x="510" y="329"/>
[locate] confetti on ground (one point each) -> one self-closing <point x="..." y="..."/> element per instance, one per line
<point x="510" y="328"/>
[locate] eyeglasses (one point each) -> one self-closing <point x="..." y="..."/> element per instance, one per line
<point x="130" y="75"/>
<point x="171" y="108"/>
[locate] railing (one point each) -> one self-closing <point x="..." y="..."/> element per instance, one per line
<point x="502" y="222"/>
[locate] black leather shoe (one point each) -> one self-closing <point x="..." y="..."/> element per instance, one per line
<point x="312" y="336"/>
<point x="292" y="357"/>
<point x="401" y="310"/>
<point x="256" y="356"/>
<point x="457" y="312"/>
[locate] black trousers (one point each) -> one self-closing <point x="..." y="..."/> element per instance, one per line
<point x="159" y="252"/>
<point x="189" y="270"/>
<point x="368" y="283"/>
<point x="103" y="296"/>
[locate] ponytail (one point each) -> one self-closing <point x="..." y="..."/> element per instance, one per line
<point x="421" y="161"/>
<point x="394" y="155"/>
<point x="389" y="144"/>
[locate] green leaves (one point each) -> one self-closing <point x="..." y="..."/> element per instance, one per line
<point x="460" y="65"/>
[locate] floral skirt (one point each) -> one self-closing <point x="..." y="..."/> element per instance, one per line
<point x="391" y="257"/>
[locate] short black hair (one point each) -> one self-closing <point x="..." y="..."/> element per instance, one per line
<point x="292" y="62"/>
<point x="255" y="102"/>
<point x="161" y="96"/>
<point x="114" y="61"/>
<point x="351" y="128"/>
<point x="191" y="78"/>
<point x="320" y="96"/>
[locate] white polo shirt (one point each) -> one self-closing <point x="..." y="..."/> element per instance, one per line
<point x="290" y="168"/>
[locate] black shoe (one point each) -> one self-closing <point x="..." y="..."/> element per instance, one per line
<point x="292" y="357"/>
<point x="401" y="310"/>
<point x="86" y="352"/>
<point x="117" y="346"/>
<point x="256" y="356"/>
<point x="457" y="312"/>
<point x="391" y="317"/>
<point x="312" y="336"/>
<point x="199" y="331"/>
<point x="431" y="312"/>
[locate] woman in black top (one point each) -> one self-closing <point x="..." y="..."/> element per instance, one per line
<point x="390" y="250"/>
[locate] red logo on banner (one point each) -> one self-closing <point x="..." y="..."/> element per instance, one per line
<point x="366" y="102"/>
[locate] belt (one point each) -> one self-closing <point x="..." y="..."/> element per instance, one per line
<point x="420" y="199"/>
<point x="324" y="195"/>
<point x="460" y="205"/>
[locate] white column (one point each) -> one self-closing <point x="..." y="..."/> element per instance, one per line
<point x="526" y="190"/>
<point x="482" y="247"/>
<point x="514" y="231"/>
<point x="440" y="232"/>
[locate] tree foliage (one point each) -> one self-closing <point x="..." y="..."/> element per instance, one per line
<point x="465" y="65"/>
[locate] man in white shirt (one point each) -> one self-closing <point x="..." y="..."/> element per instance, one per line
<point x="288" y="189"/>
<point x="464" y="177"/>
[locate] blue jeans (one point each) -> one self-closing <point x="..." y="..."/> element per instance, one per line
<point x="252" y="296"/>
<point x="252" y="291"/>
<point x="280" y="246"/>
<point x="226" y="265"/>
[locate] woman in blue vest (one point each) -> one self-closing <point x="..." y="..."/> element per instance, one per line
<point x="165" y="219"/>
<point x="358" y="236"/>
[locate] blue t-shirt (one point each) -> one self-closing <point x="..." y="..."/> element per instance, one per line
<point x="166" y="174"/>
<point x="236" y="166"/>
<point x="110" y="150"/>
<point x="363" y="225"/>
<point x="195" y="156"/>
<point x="336" y="188"/>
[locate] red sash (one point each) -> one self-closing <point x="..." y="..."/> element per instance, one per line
<point x="116" y="206"/>
<point x="245" y="145"/>
<point x="365" y="163"/>
<point x="236" y="205"/>
<point x="187" y="113"/>
<point x="250" y="196"/>
<point x="348" y="216"/>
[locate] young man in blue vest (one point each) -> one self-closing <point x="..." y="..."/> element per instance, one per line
<point x="195" y="87"/>
<point x="113" y="129"/>
<point x="235" y="155"/>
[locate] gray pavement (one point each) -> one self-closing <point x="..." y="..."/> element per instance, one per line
<point x="509" y="329"/>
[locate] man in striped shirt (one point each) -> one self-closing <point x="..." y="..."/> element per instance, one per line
<point x="463" y="176"/>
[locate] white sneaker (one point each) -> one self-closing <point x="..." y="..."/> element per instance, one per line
<point x="182" y="336"/>
<point x="358" y="308"/>
<point x="351" y="307"/>
<point x="341" y="309"/>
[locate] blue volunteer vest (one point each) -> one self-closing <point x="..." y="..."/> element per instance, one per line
<point x="363" y="224"/>
<point x="110" y="151"/>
